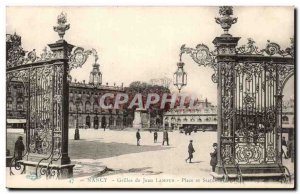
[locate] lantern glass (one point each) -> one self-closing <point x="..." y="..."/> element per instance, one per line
<point x="180" y="78"/>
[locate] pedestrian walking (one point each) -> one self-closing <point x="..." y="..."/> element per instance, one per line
<point x="191" y="150"/>
<point x="138" y="137"/>
<point x="165" y="137"/>
<point x="155" y="136"/>
<point x="19" y="148"/>
<point x="214" y="159"/>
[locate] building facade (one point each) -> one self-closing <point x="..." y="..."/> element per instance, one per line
<point x="84" y="99"/>
<point x="203" y="117"/>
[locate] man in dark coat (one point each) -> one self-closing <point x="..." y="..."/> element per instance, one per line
<point x="191" y="150"/>
<point x="214" y="159"/>
<point x="284" y="148"/>
<point x="165" y="137"/>
<point x="138" y="137"/>
<point x="19" y="148"/>
<point x="155" y="136"/>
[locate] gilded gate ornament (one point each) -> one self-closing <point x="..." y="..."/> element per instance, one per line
<point x="62" y="26"/>
<point x="226" y="20"/>
<point x="79" y="56"/>
<point x="201" y="54"/>
<point x="249" y="153"/>
<point x="271" y="49"/>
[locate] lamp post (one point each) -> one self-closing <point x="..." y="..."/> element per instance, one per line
<point x="77" y="136"/>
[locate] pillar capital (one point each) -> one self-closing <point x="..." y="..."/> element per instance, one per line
<point x="226" y="44"/>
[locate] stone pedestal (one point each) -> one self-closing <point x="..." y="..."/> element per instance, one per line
<point x="257" y="172"/>
<point x="137" y="122"/>
<point x="36" y="169"/>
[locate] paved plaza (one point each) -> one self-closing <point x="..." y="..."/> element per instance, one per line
<point x="113" y="156"/>
<point x="118" y="150"/>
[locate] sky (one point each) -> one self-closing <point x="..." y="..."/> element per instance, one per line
<point x="142" y="43"/>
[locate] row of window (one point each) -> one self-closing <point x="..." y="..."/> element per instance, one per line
<point x="87" y="107"/>
<point x="83" y="92"/>
<point x="102" y="121"/>
<point x="173" y="119"/>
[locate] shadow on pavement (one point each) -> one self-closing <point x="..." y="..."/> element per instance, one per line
<point x="98" y="150"/>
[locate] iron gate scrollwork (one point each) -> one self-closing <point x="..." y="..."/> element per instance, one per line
<point x="45" y="79"/>
<point x="43" y="88"/>
<point x="250" y="83"/>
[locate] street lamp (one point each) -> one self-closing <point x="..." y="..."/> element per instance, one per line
<point x="77" y="136"/>
<point x="180" y="76"/>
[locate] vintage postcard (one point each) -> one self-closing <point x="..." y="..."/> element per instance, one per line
<point x="150" y="97"/>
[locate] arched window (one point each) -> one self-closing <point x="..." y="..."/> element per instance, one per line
<point x="88" y="121"/>
<point x="87" y="106"/>
<point x="95" y="106"/>
<point x="20" y="105"/>
<point x="111" y="121"/>
<point x="80" y="107"/>
<point x="9" y="104"/>
<point x="71" y="106"/>
<point x="119" y="121"/>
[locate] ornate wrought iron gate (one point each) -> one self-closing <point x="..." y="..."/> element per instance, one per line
<point x="46" y="84"/>
<point x="250" y="83"/>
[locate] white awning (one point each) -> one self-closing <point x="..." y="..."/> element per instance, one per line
<point x="16" y="120"/>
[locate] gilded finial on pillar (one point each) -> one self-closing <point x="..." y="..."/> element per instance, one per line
<point x="62" y="26"/>
<point x="226" y="20"/>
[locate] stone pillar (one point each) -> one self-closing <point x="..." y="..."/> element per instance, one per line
<point x="225" y="46"/>
<point x="63" y="49"/>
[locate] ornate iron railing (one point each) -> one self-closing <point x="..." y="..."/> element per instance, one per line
<point x="45" y="80"/>
<point x="250" y="83"/>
